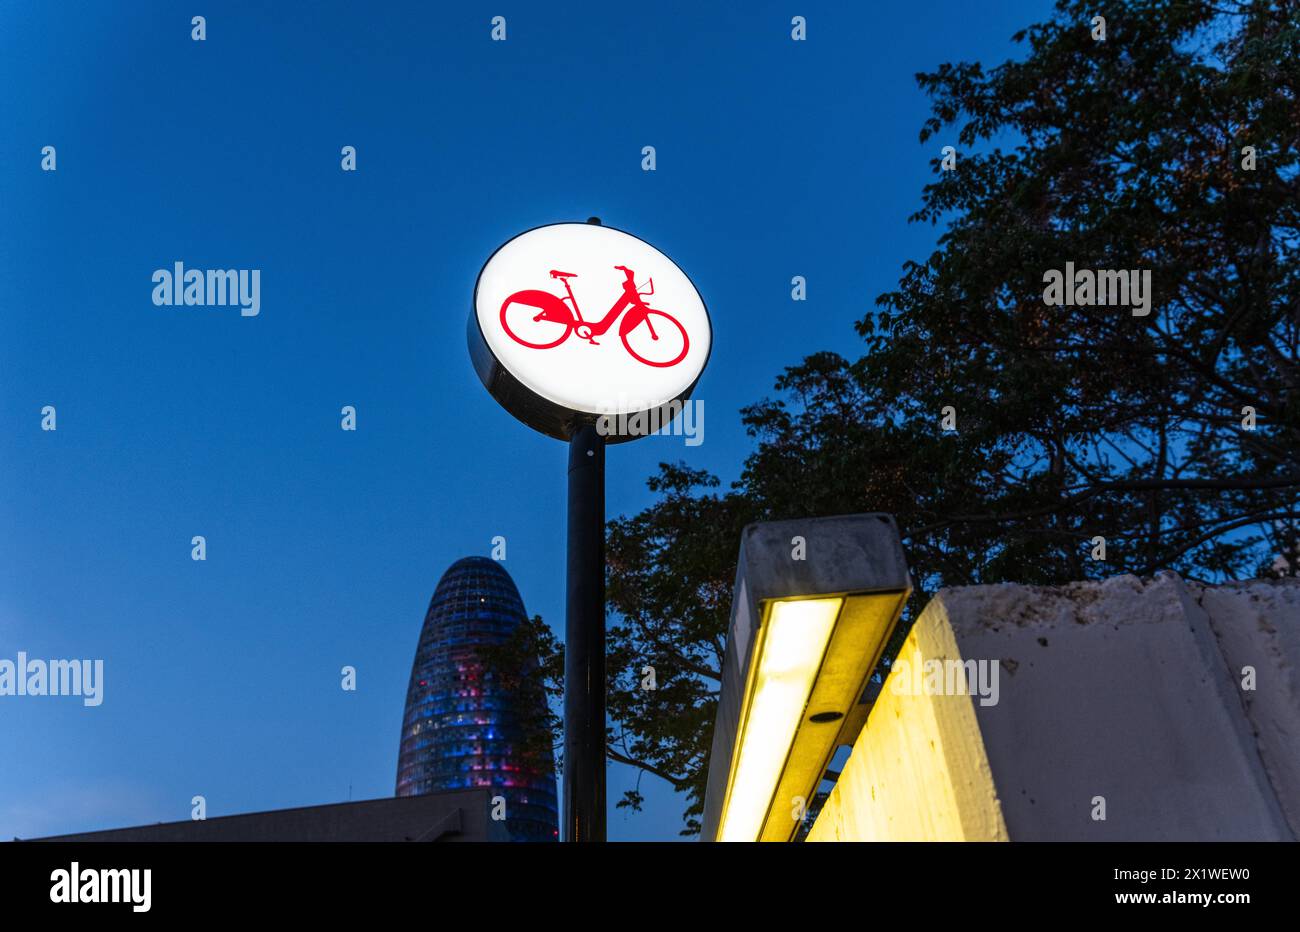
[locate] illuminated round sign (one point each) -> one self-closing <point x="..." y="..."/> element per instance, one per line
<point x="578" y="323"/>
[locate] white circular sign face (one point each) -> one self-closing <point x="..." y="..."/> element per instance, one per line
<point x="592" y="319"/>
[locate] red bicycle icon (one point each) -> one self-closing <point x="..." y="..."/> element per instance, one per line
<point x="662" y="345"/>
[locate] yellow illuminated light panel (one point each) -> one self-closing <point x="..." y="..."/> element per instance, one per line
<point x="861" y="630"/>
<point x="791" y="648"/>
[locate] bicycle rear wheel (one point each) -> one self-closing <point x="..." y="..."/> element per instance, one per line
<point x="536" y="319"/>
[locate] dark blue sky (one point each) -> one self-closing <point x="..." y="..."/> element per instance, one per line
<point x="775" y="158"/>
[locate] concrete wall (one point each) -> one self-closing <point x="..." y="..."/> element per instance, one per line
<point x="1257" y="625"/>
<point x="1124" y="694"/>
<point x="918" y="770"/>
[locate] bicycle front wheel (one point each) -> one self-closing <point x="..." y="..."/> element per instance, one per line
<point x="657" y="340"/>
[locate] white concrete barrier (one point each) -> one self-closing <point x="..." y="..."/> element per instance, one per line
<point x="1257" y="624"/>
<point x="1094" y="711"/>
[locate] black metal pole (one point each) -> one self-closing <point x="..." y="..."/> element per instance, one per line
<point x="584" y="641"/>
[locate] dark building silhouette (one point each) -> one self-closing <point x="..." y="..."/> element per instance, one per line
<point x="458" y="730"/>
<point x="457" y="815"/>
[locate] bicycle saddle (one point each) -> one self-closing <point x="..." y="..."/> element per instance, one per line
<point x="555" y="274"/>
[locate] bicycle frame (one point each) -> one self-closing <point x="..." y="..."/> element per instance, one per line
<point x="624" y="302"/>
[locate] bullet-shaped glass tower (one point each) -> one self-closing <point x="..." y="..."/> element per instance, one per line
<point x="460" y="729"/>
